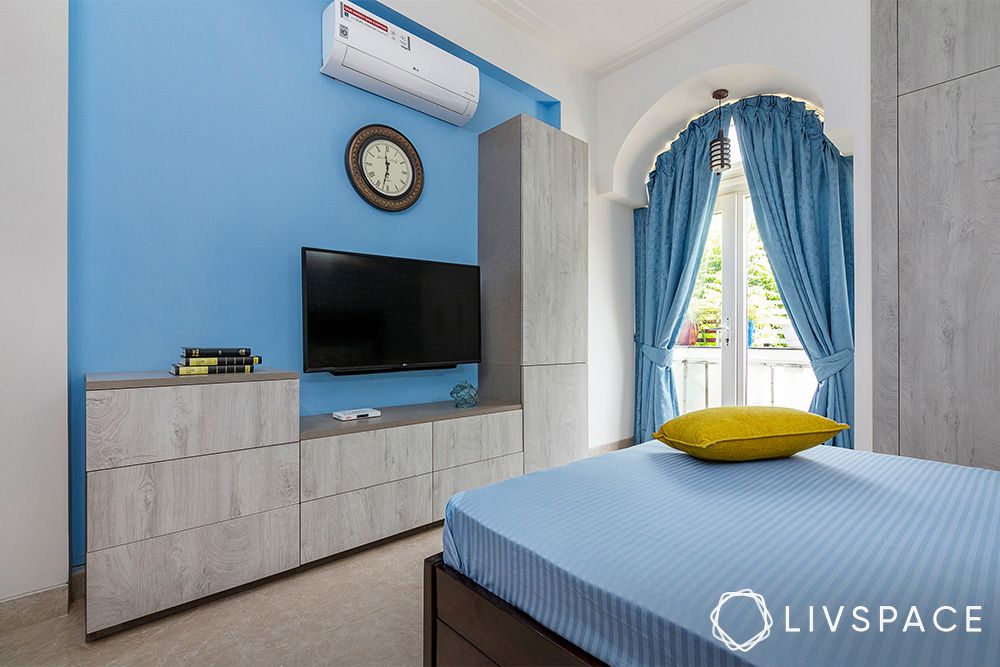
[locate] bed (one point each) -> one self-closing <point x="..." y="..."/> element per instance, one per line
<point x="621" y="559"/>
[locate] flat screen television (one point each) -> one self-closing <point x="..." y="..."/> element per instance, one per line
<point x="369" y="314"/>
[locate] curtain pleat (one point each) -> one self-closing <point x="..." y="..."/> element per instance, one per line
<point x="801" y="188"/>
<point x="670" y="238"/>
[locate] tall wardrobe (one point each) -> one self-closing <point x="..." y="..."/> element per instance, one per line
<point x="936" y="229"/>
<point x="533" y="257"/>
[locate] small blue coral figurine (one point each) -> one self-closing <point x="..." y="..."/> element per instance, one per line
<point x="465" y="395"/>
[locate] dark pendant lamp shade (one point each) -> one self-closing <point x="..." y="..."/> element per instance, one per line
<point x="718" y="149"/>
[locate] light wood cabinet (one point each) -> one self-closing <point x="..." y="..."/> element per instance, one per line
<point x="343" y="463"/>
<point x="949" y="166"/>
<point x="943" y="40"/>
<point x="347" y="520"/>
<point x="533" y="195"/>
<point x="156" y="423"/>
<point x="472" y="476"/>
<point x="143" y="501"/>
<point x="192" y="488"/>
<point x="132" y="580"/>
<point x="366" y="480"/>
<point x="935" y="239"/>
<point x="470" y="439"/>
<point x="557" y="434"/>
<point x="533" y="244"/>
<point x="553" y="245"/>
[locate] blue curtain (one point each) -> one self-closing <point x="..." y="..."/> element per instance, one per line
<point x="802" y="193"/>
<point x="669" y="241"/>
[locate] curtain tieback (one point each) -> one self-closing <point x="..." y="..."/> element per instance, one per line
<point x="828" y="366"/>
<point x="656" y="355"/>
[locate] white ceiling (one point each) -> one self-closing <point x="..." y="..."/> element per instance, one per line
<point x="601" y="36"/>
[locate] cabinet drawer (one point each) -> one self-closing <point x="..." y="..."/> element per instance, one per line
<point x="131" y="426"/>
<point x="337" y="523"/>
<point x="471" y="439"/>
<point x="472" y="476"/>
<point x="153" y="499"/>
<point x="347" y="462"/>
<point x="555" y="429"/>
<point x="133" y="580"/>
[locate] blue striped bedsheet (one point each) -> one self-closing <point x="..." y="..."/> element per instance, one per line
<point x="626" y="555"/>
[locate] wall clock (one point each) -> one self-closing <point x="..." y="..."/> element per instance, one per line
<point x="384" y="168"/>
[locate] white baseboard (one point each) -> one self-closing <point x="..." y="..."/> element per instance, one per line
<point x="611" y="447"/>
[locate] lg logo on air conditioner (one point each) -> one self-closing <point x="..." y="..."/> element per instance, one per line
<point x="826" y="618"/>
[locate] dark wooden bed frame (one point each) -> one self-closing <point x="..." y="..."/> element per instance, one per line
<point x="466" y="625"/>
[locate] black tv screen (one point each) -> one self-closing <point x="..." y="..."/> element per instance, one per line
<point x="367" y="313"/>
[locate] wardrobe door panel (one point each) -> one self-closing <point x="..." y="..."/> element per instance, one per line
<point x="949" y="266"/>
<point x="555" y="416"/>
<point x="553" y="245"/>
<point x="939" y="41"/>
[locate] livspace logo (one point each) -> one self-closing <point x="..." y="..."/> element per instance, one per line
<point x="833" y="619"/>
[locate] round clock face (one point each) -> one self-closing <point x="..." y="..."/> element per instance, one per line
<point x="384" y="168"/>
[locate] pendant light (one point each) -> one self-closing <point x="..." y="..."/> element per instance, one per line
<point x="719" y="147"/>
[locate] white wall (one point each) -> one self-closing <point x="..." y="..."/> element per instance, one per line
<point x="820" y="47"/>
<point x="33" y="403"/>
<point x="611" y="300"/>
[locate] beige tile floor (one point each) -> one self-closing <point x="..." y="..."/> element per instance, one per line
<point x="364" y="609"/>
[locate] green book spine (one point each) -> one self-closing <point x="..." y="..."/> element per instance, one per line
<point x="220" y="361"/>
<point x="177" y="369"/>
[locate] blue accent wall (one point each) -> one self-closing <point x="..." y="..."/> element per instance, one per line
<point x="205" y="149"/>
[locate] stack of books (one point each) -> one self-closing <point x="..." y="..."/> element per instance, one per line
<point x="210" y="361"/>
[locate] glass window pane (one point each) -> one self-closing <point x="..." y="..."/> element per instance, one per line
<point x="778" y="370"/>
<point x="697" y="365"/>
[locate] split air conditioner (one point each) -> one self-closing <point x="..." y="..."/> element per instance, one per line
<point x="366" y="51"/>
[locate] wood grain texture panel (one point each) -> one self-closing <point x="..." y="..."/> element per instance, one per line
<point x="141" y="379"/>
<point x="338" y="523"/>
<point x="553" y="245"/>
<point x="131" y="426"/>
<point x="472" y="476"/>
<point x="348" y="462"/>
<point x="500" y="382"/>
<point x="461" y="441"/>
<point x="939" y="40"/>
<point x="949" y="260"/>
<point x="885" y="220"/>
<point x="144" y="501"/>
<point x="324" y="426"/>
<point x="500" y="241"/>
<point x="133" y="580"/>
<point x="555" y="415"/>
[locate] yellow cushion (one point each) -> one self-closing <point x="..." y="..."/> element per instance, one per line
<point x="746" y="433"/>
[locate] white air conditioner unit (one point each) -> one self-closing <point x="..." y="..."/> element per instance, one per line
<point x="366" y="51"/>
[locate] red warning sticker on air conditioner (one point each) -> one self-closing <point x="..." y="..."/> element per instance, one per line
<point x="364" y="18"/>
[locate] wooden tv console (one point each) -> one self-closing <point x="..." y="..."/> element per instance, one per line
<point x="197" y="485"/>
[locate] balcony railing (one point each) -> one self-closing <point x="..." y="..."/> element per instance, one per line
<point x="775" y="376"/>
